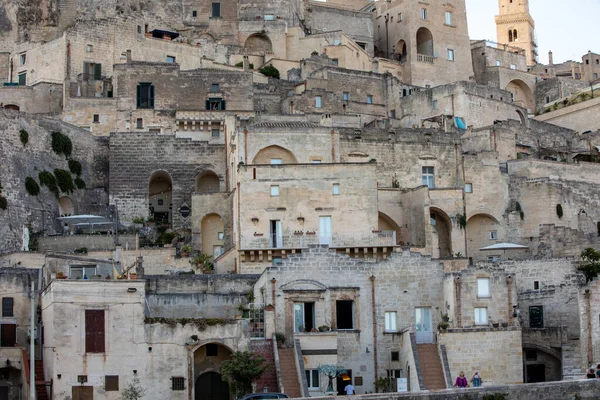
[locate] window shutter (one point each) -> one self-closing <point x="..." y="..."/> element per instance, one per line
<point x="94" y="331"/>
<point x="223" y="105"/>
<point x="97" y="71"/>
<point x="151" y="97"/>
<point x="208" y="104"/>
<point x="86" y="71"/>
<point x="7" y="307"/>
<point x="139" y="96"/>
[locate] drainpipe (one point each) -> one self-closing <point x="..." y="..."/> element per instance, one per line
<point x="32" y="345"/>
<point x="509" y="281"/>
<point x="332" y="146"/>
<point x="226" y="160"/>
<point x="11" y="70"/>
<point x="375" y="366"/>
<point x="590" y="353"/>
<point x="387" y="36"/>
<point x="246" y="146"/>
<point x="458" y="306"/>
<point x="273" y="282"/>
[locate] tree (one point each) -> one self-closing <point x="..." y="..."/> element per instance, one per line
<point x="331" y="371"/>
<point x="270" y="71"/>
<point x="591" y="263"/>
<point x="133" y="391"/>
<point x="241" y="370"/>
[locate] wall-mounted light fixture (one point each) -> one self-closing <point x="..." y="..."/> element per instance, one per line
<point x="131" y="290"/>
<point x="254" y="220"/>
<point x="301" y="220"/>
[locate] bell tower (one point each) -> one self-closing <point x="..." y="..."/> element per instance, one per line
<point x="515" y="27"/>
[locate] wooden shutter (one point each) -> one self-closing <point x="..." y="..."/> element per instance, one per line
<point x="208" y="104"/>
<point x="86" y="70"/>
<point x="223" y="105"/>
<point x="139" y="96"/>
<point x="151" y="96"/>
<point x="94" y="331"/>
<point x="8" y="335"/>
<point x="7" y="307"/>
<point x="536" y="317"/>
<point x="97" y="71"/>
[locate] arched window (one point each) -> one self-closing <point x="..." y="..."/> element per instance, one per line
<point x="424" y="42"/>
<point x="515" y="36"/>
<point x="510" y="35"/>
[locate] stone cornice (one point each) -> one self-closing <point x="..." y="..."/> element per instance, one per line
<point x="515" y="18"/>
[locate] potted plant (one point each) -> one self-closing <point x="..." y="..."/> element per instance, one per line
<point x="186" y="249"/>
<point x="280" y="338"/>
<point x="133" y="275"/>
<point x="107" y="277"/>
<point x="324" y="328"/>
<point x="444" y="323"/>
<point x="60" y="275"/>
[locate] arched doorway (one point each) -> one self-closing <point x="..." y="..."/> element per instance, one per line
<point x="385" y="223"/>
<point x="210" y="386"/>
<point x="443" y="228"/>
<point x="213" y="235"/>
<point x="482" y="230"/>
<point x="65" y="206"/>
<point x="258" y="44"/>
<point x="12" y="107"/>
<point x="274" y="155"/>
<point x="160" y="198"/>
<point x="401" y="51"/>
<point x="424" y="42"/>
<point x="521" y="94"/>
<point x="207" y="182"/>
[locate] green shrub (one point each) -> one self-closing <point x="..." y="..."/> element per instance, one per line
<point x="61" y="144"/>
<point x="559" y="211"/>
<point x="32" y="186"/>
<point x="75" y="167"/>
<point x="3" y="203"/>
<point x="270" y="71"/>
<point x="81" y="250"/>
<point x="241" y="65"/>
<point x="80" y="183"/>
<point x="24" y="136"/>
<point x="47" y="179"/>
<point x="495" y="396"/>
<point x="64" y="180"/>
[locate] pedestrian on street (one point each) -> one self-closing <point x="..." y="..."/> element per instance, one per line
<point x="461" y="381"/>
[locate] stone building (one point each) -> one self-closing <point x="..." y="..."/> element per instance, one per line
<point x="515" y="27"/>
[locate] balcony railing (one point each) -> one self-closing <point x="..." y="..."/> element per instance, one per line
<point x="425" y="58"/>
<point x="300" y="240"/>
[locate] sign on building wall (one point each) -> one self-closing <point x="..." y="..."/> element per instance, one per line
<point x="184" y="211"/>
<point x="402" y="384"/>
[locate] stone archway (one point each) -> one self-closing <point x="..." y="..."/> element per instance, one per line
<point x="258" y="43"/>
<point x="482" y="230"/>
<point x="274" y="155"/>
<point x="443" y="227"/>
<point x="160" y="198"/>
<point x="425" y="42"/>
<point x="522" y="95"/>
<point x="207" y="182"/>
<point x="210" y="386"/>
<point x="212" y="235"/>
<point x="385" y="223"/>
<point x="208" y="383"/>
<point x="401" y="51"/>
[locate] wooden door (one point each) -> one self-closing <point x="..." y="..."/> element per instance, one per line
<point x="82" y="392"/>
<point x="8" y="335"/>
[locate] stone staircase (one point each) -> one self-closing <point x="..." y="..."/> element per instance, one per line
<point x="572" y="361"/>
<point x="268" y="380"/>
<point x="41" y="390"/>
<point x="431" y="367"/>
<point x="289" y="373"/>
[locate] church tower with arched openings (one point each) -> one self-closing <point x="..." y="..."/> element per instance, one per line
<point x="515" y="27"/>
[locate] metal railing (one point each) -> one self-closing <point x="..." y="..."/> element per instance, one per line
<point x="298" y="240"/>
<point x="256" y="315"/>
<point x="425" y="58"/>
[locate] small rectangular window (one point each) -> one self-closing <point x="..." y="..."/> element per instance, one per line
<point x="216" y="10"/>
<point x="145" y="95"/>
<point x="178" y="383"/>
<point x="96" y="118"/>
<point x="395" y="356"/>
<point x="481" y="317"/>
<point x="493" y="235"/>
<point x="335" y="61"/>
<point x="312" y="378"/>
<point x="468" y="188"/>
<point x="536" y="285"/>
<point x="216" y="133"/>
<point x="215" y="88"/>
<point x="423" y="13"/>
<point x="269" y="17"/>
<point x="428" y="177"/>
<point x="139" y="29"/>
<point x="390" y="321"/>
<point x="358" y="381"/>
<point x="344" y="310"/>
<point x="194" y="13"/>
<point x="394" y="373"/>
<point x="400" y="17"/>
<point x="435" y="104"/>
<point x="450" y="54"/>
<point x="369" y="99"/>
<point x="448" y="18"/>
<point x="483" y="287"/>
<point x="362" y="45"/>
<point x="7" y="307"/>
<point x="346" y="96"/>
<point x="318" y="102"/>
<point x="23" y="59"/>
<point x="90" y="48"/>
<point x="498" y="63"/>
<point x="536" y="317"/>
<point x="513" y="66"/>
<point x="111" y="383"/>
<point x="393" y="114"/>
<point x="276" y="161"/>
<point x="139" y="124"/>
<point x="23" y="79"/>
<point x="170" y="59"/>
<point x="316" y="161"/>
<point x="336" y="189"/>
<point x="274" y="191"/>
<point x="221" y="235"/>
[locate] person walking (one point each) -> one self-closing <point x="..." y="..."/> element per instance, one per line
<point x="349" y="389"/>
<point x="476" y="379"/>
<point x="461" y="381"/>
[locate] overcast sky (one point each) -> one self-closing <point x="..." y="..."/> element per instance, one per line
<point x="568" y="28"/>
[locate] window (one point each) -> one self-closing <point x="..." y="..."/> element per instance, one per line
<point x="336" y="189"/>
<point x="92" y="71"/>
<point x="215" y="88"/>
<point x="82" y="271"/>
<point x="335" y="61"/>
<point x="450" y="54"/>
<point x="318" y="102"/>
<point x="274" y="191"/>
<point x="177" y="383"/>
<point x="94" y="331"/>
<point x="346" y="96"/>
<point x="7" y="307"/>
<point x="536" y="317"/>
<point x="139" y="29"/>
<point x="547" y="99"/>
<point x="276" y="161"/>
<point x="448" y="18"/>
<point x="90" y="48"/>
<point x="358" y="381"/>
<point x="395" y="356"/>
<point x="304" y="317"/>
<point x="536" y="285"/>
<point x="145" y="95"/>
<point x="123" y="56"/>
<point x="269" y="17"/>
<point x="23" y="79"/>
<point x="468" y="188"/>
<point x="423" y="13"/>
<point x="23" y="59"/>
<point x="345" y="314"/>
<point x="493" y="235"/>
<point x="96" y="118"/>
<point x="390" y="321"/>
<point x="369" y="99"/>
<point x="212" y="350"/>
<point x="216" y="133"/>
<point x="194" y="13"/>
<point x="221" y="236"/>
<point x="428" y="177"/>
<point x="394" y="373"/>
<point x="400" y="17"/>
<point x="111" y="383"/>
<point x="513" y="66"/>
<point x="215" y="104"/>
<point x="170" y="59"/>
<point x="217" y="251"/>
<point x="393" y="114"/>
<point x="483" y="287"/>
<point x="216" y="10"/>
<point x="435" y="105"/>
<point x="316" y="161"/>
<point x="481" y="317"/>
<point x="139" y="123"/>
<point x="595" y="75"/>
<point x="312" y="378"/>
<point x="498" y="63"/>
<point x="8" y="335"/>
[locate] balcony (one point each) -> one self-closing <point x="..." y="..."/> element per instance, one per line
<point x="91" y="86"/>
<point x="425" y="58"/>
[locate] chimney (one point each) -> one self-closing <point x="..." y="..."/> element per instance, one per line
<point x="128" y="56"/>
<point x="246" y="64"/>
<point x="550" y="58"/>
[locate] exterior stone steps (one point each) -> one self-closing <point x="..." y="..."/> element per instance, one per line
<point x="289" y="372"/>
<point x="431" y="367"/>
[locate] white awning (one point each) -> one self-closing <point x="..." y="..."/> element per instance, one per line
<point x="505" y="246"/>
<point x="81" y="220"/>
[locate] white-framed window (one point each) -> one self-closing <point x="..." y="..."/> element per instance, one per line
<point x="493" y="235"/>
<point x="423" y="13"/>
<point x="221" y="235"/>
<point x="498" y="63"/>
<point x="318" y="101"/>
<point x="23" y="58"/>
<point x="312" y="378"/>
<point x="170" y="59"/>
<point x="90" y="48"/>
<point x="400" y="17"/>
<point x="448" y="18"/>
<point x="483" y="287"/>
<point x="215" y="133"/>
<point x="513" y="66"/>
<point x="346" y="96"/>
<point x="468" y="188"/>
<point x="481" y="316"/>
<point x="336" y="189"/>
<point x="269" y="17"/>
<point x="82" y="271"/>
<point x="316" y="161"/>
<point x="435" y="104"/>
<point x="369" y="99"/>
<point x="451" y="54"/>
<point x="390" y="321"/>
<point x="428" y="177"/>
<point x="276" y="161"/>
<point x="274" y="191"/>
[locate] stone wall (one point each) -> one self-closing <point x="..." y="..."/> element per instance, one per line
<point x="581" y="117"/>
<point x="41" y="98"/>
<point x="16" y="284"/>
<point x="556" y="88"/>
